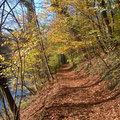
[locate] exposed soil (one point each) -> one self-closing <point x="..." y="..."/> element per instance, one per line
<point x="65" y="98"/>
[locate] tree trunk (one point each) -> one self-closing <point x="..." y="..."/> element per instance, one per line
<point x="29" y="4"/>
<point x="105" y="17"/>
<point x="8" y="96"/>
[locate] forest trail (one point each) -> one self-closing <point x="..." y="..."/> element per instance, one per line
<point x="64" y="99"/>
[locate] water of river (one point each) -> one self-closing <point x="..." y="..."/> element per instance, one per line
<point x="25" y="93"/>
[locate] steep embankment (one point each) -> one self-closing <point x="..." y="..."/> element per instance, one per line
<point x="66" y="99"/>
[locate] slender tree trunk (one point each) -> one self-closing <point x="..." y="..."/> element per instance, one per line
<point x="4" y="106"/>
<point x="105" y="17"/>
<point x="9" y="98"/>
<point x="112" y="15"/>
<point x="30" y="9"/>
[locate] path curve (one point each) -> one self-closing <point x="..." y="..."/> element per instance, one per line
<point x="64" y="100"/>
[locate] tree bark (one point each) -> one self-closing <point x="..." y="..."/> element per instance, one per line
<point x="30" y="9"/>
<point x="8" y="96"/>
<point x="105" y="17"/>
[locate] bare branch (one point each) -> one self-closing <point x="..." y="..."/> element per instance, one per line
<point x="13" y="14"/>
<point x="2" y="3"/>
<point x="9" y="13"/>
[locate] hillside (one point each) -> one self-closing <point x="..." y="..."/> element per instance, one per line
<point x="67" y="98"/>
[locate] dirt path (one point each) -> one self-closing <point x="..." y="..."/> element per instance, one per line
<point x="65" y="100"/>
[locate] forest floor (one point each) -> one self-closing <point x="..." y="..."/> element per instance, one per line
<point x="69" y="98"/>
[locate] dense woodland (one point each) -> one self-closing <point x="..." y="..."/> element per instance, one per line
<point x="38" y="36"/>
